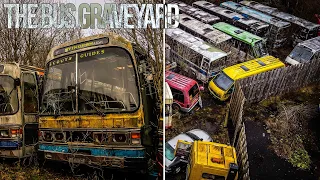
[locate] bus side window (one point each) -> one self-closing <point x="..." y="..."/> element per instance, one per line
<point x="177" y="95"/>
<point x="30" y="101"/>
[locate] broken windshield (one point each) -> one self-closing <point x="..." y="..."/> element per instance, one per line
<point x="301" y="54"/>
<point x="59" y="87"/>
<point x="223" y="81"/>
<point x="8" y="96"/>
<point x="106" y="83"/>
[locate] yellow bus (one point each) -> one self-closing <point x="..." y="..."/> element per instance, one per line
<point x="92" y="109"/>
<point x="221" y="86"/>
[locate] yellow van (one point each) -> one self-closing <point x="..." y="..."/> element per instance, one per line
<point x="222" y="85"/>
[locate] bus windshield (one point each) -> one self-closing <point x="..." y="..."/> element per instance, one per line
<point x="301" y="54"/>
<point x="223" y="81"/>
<point x="8" y="96"/>
<point x="106" y="83"/>
<point x="261" y="49"/>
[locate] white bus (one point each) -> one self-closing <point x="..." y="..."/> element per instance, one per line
<point x="168" y="106"/>
<point x="305" y="51"/>
<point x="198" y="58"/>
<point x="302" y="29"/>
<point x="196" y="13"/>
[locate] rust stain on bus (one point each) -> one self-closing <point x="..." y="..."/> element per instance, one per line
<point x="128" y="120"/>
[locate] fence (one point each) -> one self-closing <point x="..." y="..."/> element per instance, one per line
<point x="262" y="86"/>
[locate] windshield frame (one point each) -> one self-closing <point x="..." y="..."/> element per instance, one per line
<point x="298" y="57"/>
<point x="18" y="102"/>
<point x="226" y="90"/>
<point x="77" y="85"/>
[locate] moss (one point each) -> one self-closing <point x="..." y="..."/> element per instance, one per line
<point x="301" y="159"/>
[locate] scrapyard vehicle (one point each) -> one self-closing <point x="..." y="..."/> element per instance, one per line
<point x="198" y="58"/>
<point x="196" y="13"/>
<point x="252" y="25"/>
<point x="174" y="165"/>
<point x="253" y="45"/>
<point x="222" y="85"/>
<point x="278" y="29"/>
<point x="305" y="51"/>
<point x="208" y="160"/>
<point x="302" y="29"/>
<point x="185" y="92"/>
<point x="93" y="109"/>
<point x="18" y="110"/>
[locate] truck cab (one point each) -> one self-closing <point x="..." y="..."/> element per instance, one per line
<point x="208" y="160"/>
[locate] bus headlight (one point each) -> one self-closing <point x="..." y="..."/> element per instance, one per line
<point x="4" y="133"/>
<point x="119" y="138"/>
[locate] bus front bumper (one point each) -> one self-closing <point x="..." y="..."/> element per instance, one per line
<point x="216" y="96"/>
<point x="128" y="159"/>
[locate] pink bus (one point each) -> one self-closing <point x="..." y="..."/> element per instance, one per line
<point x="185" y="92"/>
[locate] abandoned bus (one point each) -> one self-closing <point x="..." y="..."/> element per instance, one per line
<point x="91" y="108"/>
<point x="222" y="85"/>
<point x="18" y="110"/>
<point x="254" y="46"/>
<point x="278" y="29"/>
<point x="205" y="31"/>
<point x="302" y="28"/>
<point x="196" y="13"/>
<point x="305" y="51"/>
<point x="249" y="24"/>
<point x="196" y="57"/>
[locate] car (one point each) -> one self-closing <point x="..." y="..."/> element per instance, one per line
<point x="173" y="165"/>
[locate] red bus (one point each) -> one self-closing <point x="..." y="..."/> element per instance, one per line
<point x="185" y="92"/>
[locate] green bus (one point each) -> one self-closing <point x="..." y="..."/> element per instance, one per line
<point x="253" y="45"/>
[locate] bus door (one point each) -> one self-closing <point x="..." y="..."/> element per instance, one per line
<point x="30" y="108"/>
<point x="204" y="69"/>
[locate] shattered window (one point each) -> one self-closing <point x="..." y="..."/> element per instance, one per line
<point x="30" y="93"/>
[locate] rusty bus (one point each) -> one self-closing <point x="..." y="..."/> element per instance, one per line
<point x="92" y="104"/>
<point x="18" y="110"/>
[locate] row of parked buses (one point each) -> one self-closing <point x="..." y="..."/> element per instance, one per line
<point x="91" y="108"/>
<point x="219" y="45"/>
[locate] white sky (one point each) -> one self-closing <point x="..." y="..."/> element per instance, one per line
<point x="88" y="32"/>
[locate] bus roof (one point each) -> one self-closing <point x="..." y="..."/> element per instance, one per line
<point x="86" y="43"/>
<point x="196" y="44"/>
<point x="168" y="94"/>
<point x="214" y="155"/>
<point x="256" y="14"/>
<point x="252" y="67"/>
<point x="313" y="44"/>
<point x="238" y="33"/>
<point x="205" y="30"/>
<point x="245" y="20"/>
<point x="178" y="81"/>
<point x="196" y="12"/>
<point x="285" y="16"/>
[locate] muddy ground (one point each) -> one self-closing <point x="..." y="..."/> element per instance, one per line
<point x="283" y="138"/>
<point x="13" y="170"/>
<point x="209" y="118"/>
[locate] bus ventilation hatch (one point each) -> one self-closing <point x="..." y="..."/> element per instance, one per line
<point x="244" y="68"/>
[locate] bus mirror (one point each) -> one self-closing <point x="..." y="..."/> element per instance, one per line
<point x="201" y="88"/>
<point x="146" y="136"/>
<point x="17" y="82"/>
